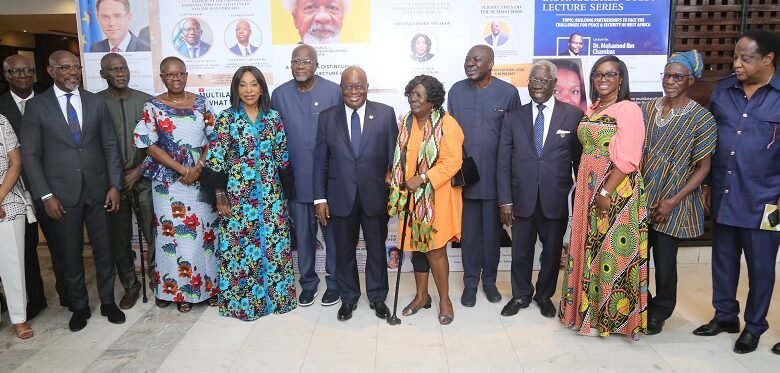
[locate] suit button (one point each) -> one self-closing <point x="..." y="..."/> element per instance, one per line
<point x="733" y="152"/>
<point x="728" y="172"/>
<point x="78" y="170"/>
<point x="726" y="191"/>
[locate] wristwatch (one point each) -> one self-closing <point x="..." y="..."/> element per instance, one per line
<point x="604" y="193"/>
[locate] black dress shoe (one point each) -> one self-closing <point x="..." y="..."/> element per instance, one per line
<point x="513" y="306"/>
<point x="112" y="313"/>
<point x="776" y="348"/>
<point x="330" y="297"/>
<point x="492" y="294"/>
<point x="715" y="327"/>
<point x="345" y="312"/>
<point x="380" y="310"/>
<point x="469" y="297"/>
<point x="546" y="308"/>
<point x="307" y="297"/>
<point x="33" y="310"/>
<point x="128" y="300"/>
<point x="654" y="326"/>
<point x="79" y="319"/>
<point x="747" y="342"/>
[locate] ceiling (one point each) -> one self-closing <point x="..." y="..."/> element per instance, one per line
<point x="57" y="24"/>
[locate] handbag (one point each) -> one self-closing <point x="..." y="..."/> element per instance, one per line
<point x="468" y="174"/>
<point x="29" y="209"/>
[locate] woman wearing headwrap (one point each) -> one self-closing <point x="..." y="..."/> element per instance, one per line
<point x="680" y="138"/>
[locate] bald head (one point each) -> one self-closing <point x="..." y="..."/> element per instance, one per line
<point x="354" y="87"/>
<point x="59" y="55"/>
<point x="110" y="58"/>
<point x="15" y="59"/>
<point x="483" y="50"/>
<point x="113" y="68"/>
<point x="20" y="74"/>
<point x="243" y="32"/>
<point x="305" y="49"/>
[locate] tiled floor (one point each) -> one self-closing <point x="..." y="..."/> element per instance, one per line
<point x="312" y="340"/>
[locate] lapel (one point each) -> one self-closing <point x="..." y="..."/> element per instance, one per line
<point x="49" y="100"/>
<point x="86" y="115"/>
<point x="555" y="123"/>
<point x="368" y="125"/>
<point x="342" y="127"/>
<point x="527" y="116"/>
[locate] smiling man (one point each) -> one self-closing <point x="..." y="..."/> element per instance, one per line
<point x="479" y="104"/>
<point x="318" y="21"/>
<point x="192" y="46"/>
<point x="243" y="32"/>
<point x="574" y="46"/>
<point x="114" y="17"/>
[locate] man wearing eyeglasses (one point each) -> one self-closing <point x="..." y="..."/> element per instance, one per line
<point x="299" y="102"/>
<point x="20" y="75"/>
<point x="537" y="155"/>
<point x="126" y="107"/>
<point x="349" y="187"/>
<point x="70" y="153"/>
<point x="479" y="104"/>
<point x="243" y="32"/>
<point x="192" y="46"/>
<point x="114" y="17"/>
<point x="318" y="21"/>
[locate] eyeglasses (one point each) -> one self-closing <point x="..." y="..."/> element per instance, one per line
<point x="416" y="96"/>
<point x="354" y="87"/>
<point x="675" y="77"/>
<point x="540" y="80"/>
<point x="18" y="71"/>
<point x="171" y="76"/>
<point x="117" y="70"/>
<point x="72" y="68"/>
<point x="306" y="63"/>
<point x="190" y="29"/>
<point x="612" y="75"/>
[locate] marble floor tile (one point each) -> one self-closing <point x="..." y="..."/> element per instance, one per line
<point x="561" y="357"/>
<point x="185" y="360"/>
<point x="697" y="357"/>
<point x="252" y="360"/>
<point x="60" y="360"/>
<point x="339" y="361"/>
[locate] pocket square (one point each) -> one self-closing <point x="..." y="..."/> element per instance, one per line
<point x="562" y="132"/>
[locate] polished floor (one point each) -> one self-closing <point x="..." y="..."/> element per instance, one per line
<point x="312" y="340"/>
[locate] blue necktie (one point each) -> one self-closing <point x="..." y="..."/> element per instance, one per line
<point x="539" y="130"/>
<point x="73" y="120"/>
<point x="355" y="132"/>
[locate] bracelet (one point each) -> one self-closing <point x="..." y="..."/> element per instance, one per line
<point x="220" y="194"/>
<point x="201" y="163"/>
<point x="186" y="172"/>
<point x="604" y="193"/>
<point x="424" y="178"/>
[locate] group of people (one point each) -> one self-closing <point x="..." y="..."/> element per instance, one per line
<point x="222" y="197"/>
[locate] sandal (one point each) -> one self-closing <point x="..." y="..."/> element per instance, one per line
<point x="212" y="302"/>
<point x="23" y="330"/>
<point x="161" y="303"/>
<point x="184" y="307"/>
<point x="411" y="310"/>
<point x="446" y="319"/>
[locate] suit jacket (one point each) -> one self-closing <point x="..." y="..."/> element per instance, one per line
<point x="523" y="176"/>
<point x="11" y="112"/>
<point x="501" y="39"/>
<point x="55" y="163"/>
<point x="237" y="49"/>
<point x="564" y="51"/>
<point x="340" y="174"/>
<point x="135" y="45"/>
<point x="184" y="49"/>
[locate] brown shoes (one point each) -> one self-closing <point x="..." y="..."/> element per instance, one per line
<point x="128" y="301"/>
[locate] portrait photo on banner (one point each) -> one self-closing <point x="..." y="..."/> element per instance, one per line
<point x="496" y="33"/>
<point x="114" y="26"/>
<point x="243" y="37"/>
<point x="422" y="46"/>
<point x="192" y="37"/>
<point x="570" y="85"/>
<point x="320" y="21"/>
<point x="573" y="44"/>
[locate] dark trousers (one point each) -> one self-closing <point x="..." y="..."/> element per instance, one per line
<point x="480" y="242"/>
<point x="35" y="291"/>
<point x="760" y="249"/>
<point x="524" y="234"/>
<point x="70" y="246"/>
<point x="346" y="232"/>
<point x="664" y="250"/>
<point x="122" y="231"/>
<point x="305" y="227"/>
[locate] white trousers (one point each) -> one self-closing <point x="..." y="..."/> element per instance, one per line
<point x="12" y="268"/>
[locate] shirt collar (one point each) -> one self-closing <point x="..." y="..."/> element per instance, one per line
<point x="361" y="110"/>
<point x="123" y="45"/>
<point x="774" y="82"/>
<point x="18" y="99"/>
<point x="547" y="104"/>
<point x="60" y="93"/>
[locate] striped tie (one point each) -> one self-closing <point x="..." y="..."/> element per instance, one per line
<point x="539" y="130"/>
<point x="73" y="120"/>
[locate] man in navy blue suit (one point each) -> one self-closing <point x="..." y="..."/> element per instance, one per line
<point x="354" y="152"/>
<point x="192" y="46"/>
<point x="537" y="154"/>
<point x="243" y="32"/>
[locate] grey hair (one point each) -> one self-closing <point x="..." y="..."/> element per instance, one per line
<point x="550" y="66"/>
<point x="291" y="5"/>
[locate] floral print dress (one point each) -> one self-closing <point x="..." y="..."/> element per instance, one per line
<point x="185" y="240"/>
<point x="256" y="275"/>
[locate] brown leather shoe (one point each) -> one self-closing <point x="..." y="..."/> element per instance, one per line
<point x="128" y="301"/>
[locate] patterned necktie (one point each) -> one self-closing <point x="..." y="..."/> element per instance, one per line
<point x="247" y="51"/>
<point x="73" y="120"/>
<point x="115" y="49"/>
<point x="355" y="132"/>
<point x="192" y="52"/>
<point x="539" y="130"/>
<point x="21" y="105"/>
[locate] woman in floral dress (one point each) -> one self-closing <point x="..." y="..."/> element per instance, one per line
<point x="174" y="132"/>
<point x="249" y="146"/>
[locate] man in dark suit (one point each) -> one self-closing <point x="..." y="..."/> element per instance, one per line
<point x="574" y="46"/>
<point x="70" y="154"/>
<point x="355" y="145"/>
<point x="20" y="74"/>
<point x="479" y="104"/>
<point x="192" y="46"/>
<point x="537" y="154"/>
<point x="114" y="17"/>
<point x="243" y="32"/>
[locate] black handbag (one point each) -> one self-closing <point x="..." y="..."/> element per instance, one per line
<point x="468" y="174"/>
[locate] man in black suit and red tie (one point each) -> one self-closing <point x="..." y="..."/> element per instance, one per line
<point x="71" y="157"/>
<point x="537" y="154"/>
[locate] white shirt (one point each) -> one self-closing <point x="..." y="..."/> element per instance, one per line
<point x="496" y="38"/>
<point x="548" y="110"/>
<point x="245" y="49"/>
<point x="122" y="46"/>
<point x="75" y="100"/>
<point x="361" y="111"/>
<point x="18" y="100"/>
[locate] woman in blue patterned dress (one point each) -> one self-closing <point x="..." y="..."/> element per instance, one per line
<point x="249" y="146"/>
<point x="174" y="131"/>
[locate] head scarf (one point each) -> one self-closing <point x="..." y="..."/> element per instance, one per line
<point x="691" y="60"/>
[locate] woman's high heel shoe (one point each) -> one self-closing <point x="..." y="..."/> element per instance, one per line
<point x="411" y="310"/>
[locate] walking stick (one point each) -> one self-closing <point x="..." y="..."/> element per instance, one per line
<point x="136" y="206"/>
<point x="394" y="320"/>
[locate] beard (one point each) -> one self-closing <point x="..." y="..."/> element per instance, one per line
<point x="71" y="86"/>
<point x="310" y="37"/>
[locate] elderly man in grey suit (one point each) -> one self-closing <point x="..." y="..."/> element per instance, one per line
<point x="354" y="152"/>
<point x="537" y="155"/>
<point x="70" y="153"/>
<point x="479" y="103"/>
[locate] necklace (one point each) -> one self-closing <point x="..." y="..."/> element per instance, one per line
<point x="660" y="121"/>
<point x="175" y="101"/>
<point x="608" y="103"/>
